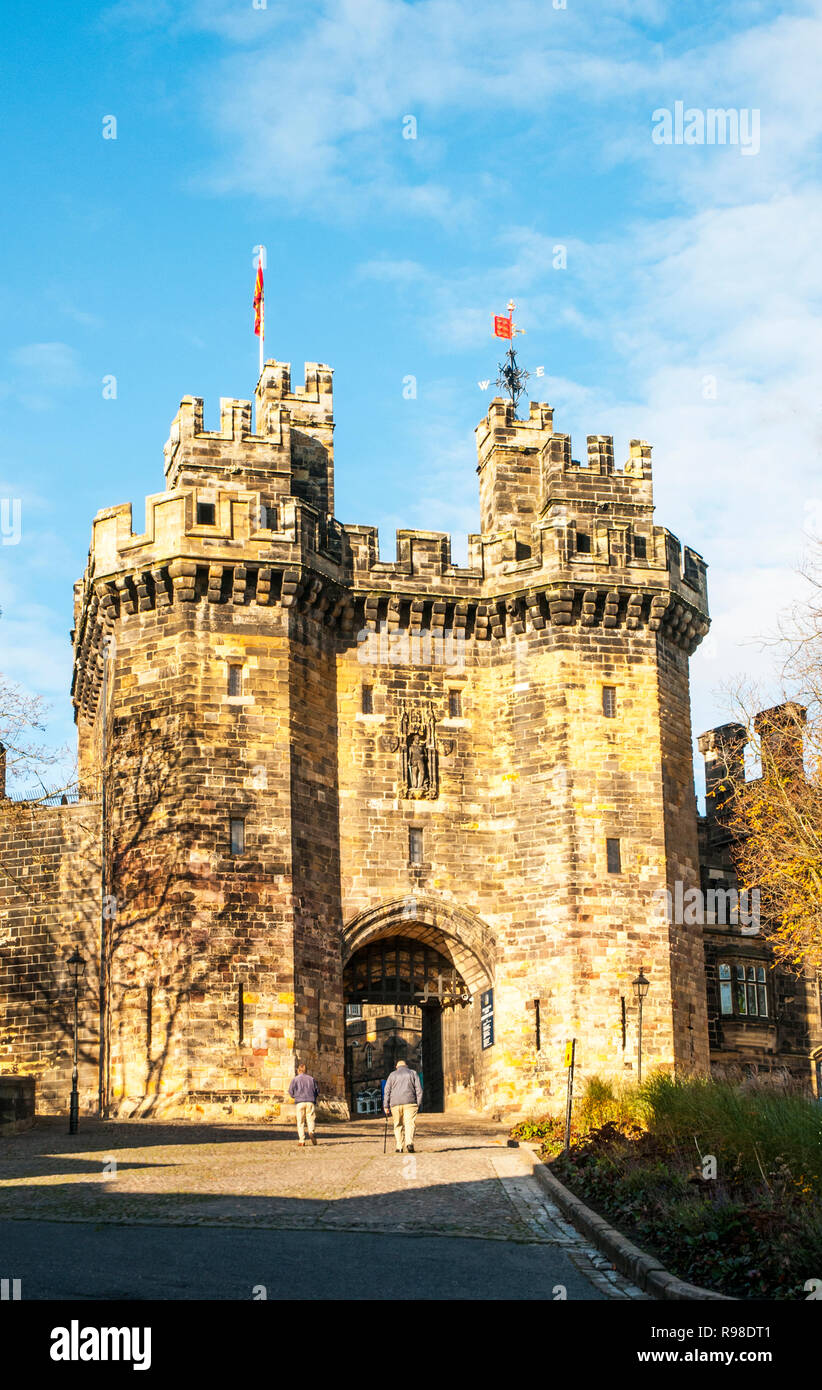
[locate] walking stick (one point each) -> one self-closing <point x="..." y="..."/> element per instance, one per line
<point x="385" y="1133"/>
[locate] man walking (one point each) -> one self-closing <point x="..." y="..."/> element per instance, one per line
<point x="304" y="1090"/>
<point x="403" y="1094"/>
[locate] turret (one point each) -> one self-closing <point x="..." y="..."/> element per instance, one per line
<point x="291" y="453"/>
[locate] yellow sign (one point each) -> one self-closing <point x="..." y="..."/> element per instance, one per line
<point x="569" y="1053"/>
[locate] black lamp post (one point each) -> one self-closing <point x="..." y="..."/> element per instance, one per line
<point x="77" y="967"/>
<point x="640" y="988"/>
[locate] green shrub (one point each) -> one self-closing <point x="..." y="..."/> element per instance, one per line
<point x="754" y="1128"/>
<point x="753" y="1231"/>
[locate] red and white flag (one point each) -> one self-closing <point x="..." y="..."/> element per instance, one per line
<point x="503" y="327"/>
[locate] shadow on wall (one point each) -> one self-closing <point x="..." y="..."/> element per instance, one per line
<point x="151" y="966"/>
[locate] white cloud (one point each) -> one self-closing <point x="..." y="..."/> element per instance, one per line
<point x="39" y="370"/>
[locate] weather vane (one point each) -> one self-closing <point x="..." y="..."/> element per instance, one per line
<point x="512" y="377"/>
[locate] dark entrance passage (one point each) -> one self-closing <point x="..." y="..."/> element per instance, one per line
<point x="396" y="990"/>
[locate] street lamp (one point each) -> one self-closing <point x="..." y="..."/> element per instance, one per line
<point x="640" y="988"/>
<point x="77" y="968"/>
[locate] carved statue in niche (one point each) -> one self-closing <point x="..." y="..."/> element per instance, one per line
<point x="418" y="746"/>
<point x="419" y="749"/>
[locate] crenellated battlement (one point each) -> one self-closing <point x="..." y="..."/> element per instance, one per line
<point x="292" y="450"/>
<point x="527" y="471"/>
<point x="246" y="521"/>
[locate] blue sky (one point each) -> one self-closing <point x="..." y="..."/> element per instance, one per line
<point x="386" y="257"/>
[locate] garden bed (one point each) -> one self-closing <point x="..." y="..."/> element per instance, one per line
<point x="721" y="1181"/>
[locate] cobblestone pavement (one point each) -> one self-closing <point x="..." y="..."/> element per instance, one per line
<point x="463" y="1181"/>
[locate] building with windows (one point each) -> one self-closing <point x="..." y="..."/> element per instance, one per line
<point x="340" y="809"/>
<point x="761" y="1018"/>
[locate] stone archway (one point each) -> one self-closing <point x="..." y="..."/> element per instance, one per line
<point x="467" y="939"/>
<point x="440" y="1034"/>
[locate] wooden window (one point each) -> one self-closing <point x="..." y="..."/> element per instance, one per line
<point x="368" y="699"/>
<point x="743" y="990"/>
<point x="237" y="835"/>
<point x="414" y="845"/>
<point x="609" y="701"/>
<point x="614" y="856"/>
<point x="206" y="513"/>
<point x="454" y="704"/>
<point x="235" y="679"/>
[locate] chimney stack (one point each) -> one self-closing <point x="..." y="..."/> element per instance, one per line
<point x="723" y="749"/>
<point x="781" y="738"/>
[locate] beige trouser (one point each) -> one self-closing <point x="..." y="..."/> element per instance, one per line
<point x="405" y="1118"/>
<point x="305" y="1115"/>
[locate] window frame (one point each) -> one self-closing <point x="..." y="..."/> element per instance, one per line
<point x="232" y="822"/>
<point x="742" y="981"/>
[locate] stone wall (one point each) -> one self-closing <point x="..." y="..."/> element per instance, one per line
<point x="17" y="1103"/>
<point x="49" y="903"/>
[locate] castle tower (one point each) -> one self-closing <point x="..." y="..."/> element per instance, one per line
<point x="455" y="795"/>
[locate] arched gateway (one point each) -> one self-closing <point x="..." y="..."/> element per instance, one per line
<point x="414" y="971"/>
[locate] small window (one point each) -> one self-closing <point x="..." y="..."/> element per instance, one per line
<point x="741" y="994"/>
<point x="353" y="1010"/>
<point x="268" y="517"/>
<point x="762" y="991"/>
<point x="583" y="543"/>
<point x="640" y="548"/>
<point x="237" y="835"/>
<point x="726" y="1002"/>
<point x="614" y="856"/>
<point x="414" y="845"/>
<point x="609" y="701"/>
<point x="454" y="704"/>
<point x="206" y="513"/>
<point x="369" y="1056"/>
<point x="368" y="699"/>
<point x="235" y="680"/>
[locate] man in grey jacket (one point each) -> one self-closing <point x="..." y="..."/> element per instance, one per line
<point x="402" y="1095"/>
<point x="303" y="1091"/>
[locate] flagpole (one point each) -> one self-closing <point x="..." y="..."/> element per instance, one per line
<point x="262" y="324"/>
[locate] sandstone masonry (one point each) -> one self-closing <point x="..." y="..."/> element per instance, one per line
<point x="306" y="750"/>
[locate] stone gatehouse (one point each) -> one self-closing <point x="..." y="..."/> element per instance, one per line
<point x="325" y="790"/>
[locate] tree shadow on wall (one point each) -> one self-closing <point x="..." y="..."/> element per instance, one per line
<point x="137" y="937"/>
